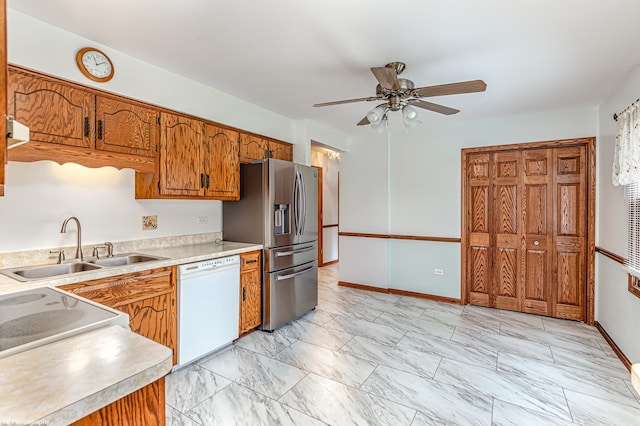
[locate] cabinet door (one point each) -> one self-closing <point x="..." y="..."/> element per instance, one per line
<point x="126" y="127"/>
<point x="222" y="164"/>
<point x="250" y="290"/>
<point x="250" y="300"/>
<point x="281" y="150"/>
<point x="570" y="251"/>
<point x="252" y="148"/>
<point x="478" y="222"/>
<point x="180" y="156"/>
<point x="53" y="111"/>
<point x="153" y="318"/>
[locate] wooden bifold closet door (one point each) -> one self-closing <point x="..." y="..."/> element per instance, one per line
<point x="525" y="228"/>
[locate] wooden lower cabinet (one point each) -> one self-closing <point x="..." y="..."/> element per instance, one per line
<point x="148" y="297"/>
<point x="146" y="406"/>
<point x="250" y="291"/>
<point x="527" y="228"/>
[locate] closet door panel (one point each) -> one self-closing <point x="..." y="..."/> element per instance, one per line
<point x="537" y="221"/>
<point x="569" y="257"/>
<point x="478" y="249"/>
<point x="506" y="202"/>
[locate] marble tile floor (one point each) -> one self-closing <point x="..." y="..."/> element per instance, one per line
<point x="364" y="358"/>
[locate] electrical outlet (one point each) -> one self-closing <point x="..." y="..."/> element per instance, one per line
<point x="202" y="220"/>
<point x="438" y="271"/>
<point x="149" y="223"/>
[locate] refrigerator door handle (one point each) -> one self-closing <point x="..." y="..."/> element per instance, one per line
<point x="295" y="204"/>
<point x="304" y="204"/>
<point x="292" y="252"/>
<point x="295" y="274"/>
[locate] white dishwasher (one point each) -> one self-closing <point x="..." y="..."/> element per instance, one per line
<point x="208" y="306"/>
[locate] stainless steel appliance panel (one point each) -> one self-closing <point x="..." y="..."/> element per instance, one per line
<point x="289" y="293"/>
<point x="308" y="193"/>
<point x="280" y="203"/>
<point x="289" y="256"/>
<point x="243" y="220"/>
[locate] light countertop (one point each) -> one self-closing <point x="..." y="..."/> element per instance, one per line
<point x="635" y="377"/>
<point x="66" y="380"/>
<point x="174" y="256"/>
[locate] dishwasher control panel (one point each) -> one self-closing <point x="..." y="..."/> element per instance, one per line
<point x="209" y="264"/>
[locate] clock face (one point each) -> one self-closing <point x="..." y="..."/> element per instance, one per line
<point x="94" y="64"/>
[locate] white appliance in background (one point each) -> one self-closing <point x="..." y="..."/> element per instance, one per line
<point x="208" y="306"/>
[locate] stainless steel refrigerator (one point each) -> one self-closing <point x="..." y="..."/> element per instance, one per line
<point x="278" y="208"/>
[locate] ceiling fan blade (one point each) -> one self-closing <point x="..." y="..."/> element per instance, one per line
<point x="387" y="77"/>
<point x="364" y="121"/>
<point x="347" y="101"/>
<point x="451" y="89"/>
<point x="434" y="107"/>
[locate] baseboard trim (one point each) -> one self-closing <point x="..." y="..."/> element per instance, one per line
<point x="362" y="287"/>
<point x="613" y="345"/>
<point x="400" y="292"/>
<point x="433" y="297"/>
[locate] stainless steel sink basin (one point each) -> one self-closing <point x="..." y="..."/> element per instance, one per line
<point x="124" y="259"/>
<point x="29" y="273"/>
<point x="47" y="271"/>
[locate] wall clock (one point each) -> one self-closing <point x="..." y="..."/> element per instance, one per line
<point x="95" y="64"/>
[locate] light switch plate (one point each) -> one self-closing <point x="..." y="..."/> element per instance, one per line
<point x="149" y="223"/>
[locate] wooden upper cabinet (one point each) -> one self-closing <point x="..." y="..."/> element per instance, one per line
<point x="221" y="163"/>
<point x="181" y="156"/>
<point x="72" y="123"/>
<point x="252" y="148"/>
<point x="126" y="127"/>
<point x="55" y="112"/>
<point x="3" y="90"/>
<point x="281" y="150"/>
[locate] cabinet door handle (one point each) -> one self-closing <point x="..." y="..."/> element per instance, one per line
<point x="244" y="294"/>
<point x="100" y="129"/>
<point x="86" y="127"/>
<point x="201" y="180"/>
<point x="251" y="261"/>
<point x="208" y="180"/>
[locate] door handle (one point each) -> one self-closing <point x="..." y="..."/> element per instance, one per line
<point x="536" y="243"/>
<point x="295" y="274"/>
<point x="292" y="252"/>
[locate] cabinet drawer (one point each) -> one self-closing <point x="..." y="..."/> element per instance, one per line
<point x="123" y="289"/>
<point x="250" y="261"/>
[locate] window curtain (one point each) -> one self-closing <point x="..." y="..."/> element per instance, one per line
<point x="626" y="158"/>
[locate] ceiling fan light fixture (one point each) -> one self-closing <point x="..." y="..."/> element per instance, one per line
<point x="380" y="126"/>
<point x="376" y="115"/>
<point x="410" y="116"/>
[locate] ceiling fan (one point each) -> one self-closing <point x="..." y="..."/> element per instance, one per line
<point x="401" y="94"/>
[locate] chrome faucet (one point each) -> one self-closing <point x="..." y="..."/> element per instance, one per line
<point x="64" y="229"/>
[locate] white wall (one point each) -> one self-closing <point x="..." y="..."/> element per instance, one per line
<point x="40" y="195"/>
<point x="617" y="310"/>
<point x="421" y="171"/>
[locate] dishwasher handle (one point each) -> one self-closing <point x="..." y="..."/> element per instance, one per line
<point x="295" y="274"/>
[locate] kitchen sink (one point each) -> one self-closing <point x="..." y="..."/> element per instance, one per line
<point x="29" y="273"/>
<point x="40" y="272"/>
<point x="124" y="259"/>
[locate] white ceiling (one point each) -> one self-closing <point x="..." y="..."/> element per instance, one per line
<point x="286" y="55"/>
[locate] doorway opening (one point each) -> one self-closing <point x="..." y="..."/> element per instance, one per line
<point x="327" y="161"/>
